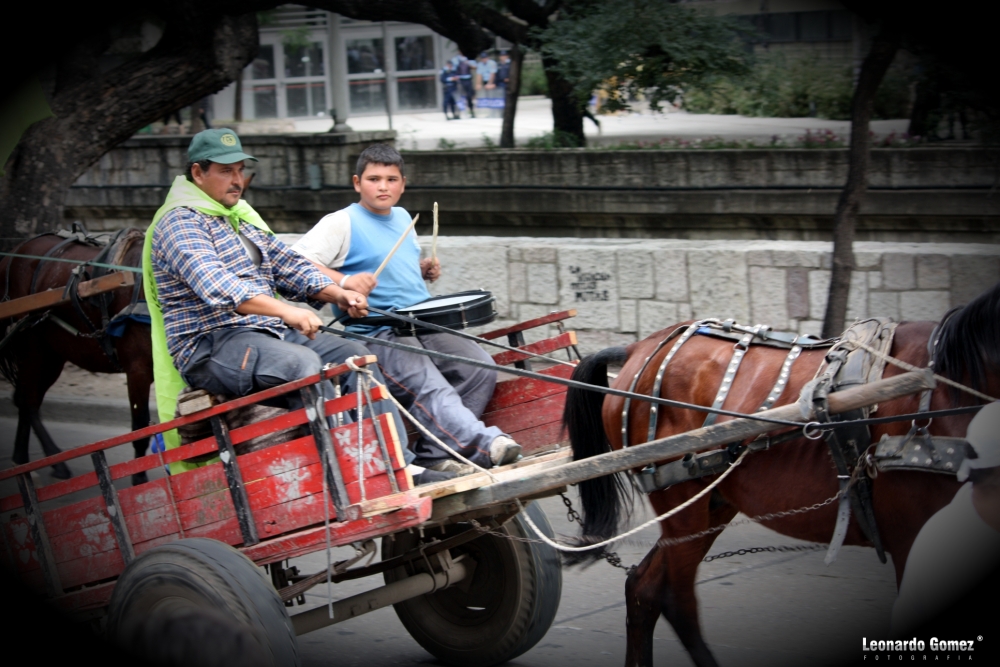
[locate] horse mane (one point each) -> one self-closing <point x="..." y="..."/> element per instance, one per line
<point x="968" y="348"/>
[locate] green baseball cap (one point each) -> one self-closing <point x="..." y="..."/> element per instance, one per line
<point x="221" y="146"/>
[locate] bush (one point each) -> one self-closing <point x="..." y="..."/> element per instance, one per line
<point x="550" y="140"/>
<point x="533" y="81"/>
<point x="783" y="88"/>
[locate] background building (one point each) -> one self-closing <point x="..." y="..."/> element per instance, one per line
<point x="313" y="63"/>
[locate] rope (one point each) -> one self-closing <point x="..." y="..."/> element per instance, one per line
<point x="910" y="367"/>
<point x="116" y="267"/>
<point x="663" y="517"/>
<point x="361" y="370"/>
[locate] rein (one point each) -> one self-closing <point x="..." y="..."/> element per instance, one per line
<point x="116" y="267"/>
<point x="812" y="427"/>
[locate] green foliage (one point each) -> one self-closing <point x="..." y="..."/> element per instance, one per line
<point x="554" y="139"/>
<point x="781" y="87"/>
<point x="296" y="38"/>
<point x="641" y="48"/>
<point x="446" y="145"/>
<point x="488" y="143"/>
<point x="533" y="81"/>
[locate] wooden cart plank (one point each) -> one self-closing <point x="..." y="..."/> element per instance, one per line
<point x="514" y="392"/>
<point x="559" y="342"/>
<point x="532" y="413"/>
<point x="529" y="324"/>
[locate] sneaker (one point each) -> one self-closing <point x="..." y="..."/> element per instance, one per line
<point x="451" y="465"/>
<point x="504" y="450"/>
<point x="428" y="476"/>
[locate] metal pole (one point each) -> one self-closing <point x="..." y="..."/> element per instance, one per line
<point x="385" y="71"/>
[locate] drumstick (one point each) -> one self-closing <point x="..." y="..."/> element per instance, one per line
<point x="396" y="247"/>
<point x="434" y="239"/>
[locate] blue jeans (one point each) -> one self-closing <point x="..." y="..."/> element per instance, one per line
<point x="237" y="362"/>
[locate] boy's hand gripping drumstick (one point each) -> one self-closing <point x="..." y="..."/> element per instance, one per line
<point x="396" y="247"/>
<point x="434" y="239"/>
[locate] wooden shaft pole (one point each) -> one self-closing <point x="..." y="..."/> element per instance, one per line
<point x="676" y="445"/>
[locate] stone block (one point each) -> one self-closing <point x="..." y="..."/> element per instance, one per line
<point x="655" y="315"/>
<point x="819" y="289"/>
<point x="826" y="261"/>
<point x="857" y="298"/>
<point x="589" y="342"/>
<point x="474" y="267"/>
<point x="542" y="283"/>
<point x="897" y="272"/>
<point x="635" y="274"/>
<point x="530" y="311"/>
<point x="518" y="282"/>
<point x="684" y="312"/>
<point x="759" y="258"/>
<point x="719" y="286"/>
<point x="538" y="254"/>
<point x="867" y="260"/>
<point x="514" y="255"/>
<point x="670" y="271"/>
<point x="883" y="304"/>
<point x="628" y="315"/>
<point x="803" y="258"/>
<point x="588" y="283"/>
<point x="797" y="292"/>
<point x="971" y="275"/>
<point x="874" y="280"/>
<point x="923" y="305"/>
<point x="933" y="272"/>
<point x="768" y="296"/>
<point x="811" y="328"/>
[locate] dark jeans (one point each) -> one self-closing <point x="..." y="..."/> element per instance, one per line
<point x="237" y="362"/>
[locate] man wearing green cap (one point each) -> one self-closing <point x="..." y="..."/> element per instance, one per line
<point x="211" y="267"/>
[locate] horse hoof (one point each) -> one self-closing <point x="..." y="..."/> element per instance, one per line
<point x="61" y="471"/>
<point x="139" y="478"/>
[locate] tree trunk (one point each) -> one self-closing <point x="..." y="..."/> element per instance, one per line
<point x="513" y="91"/>
<point x="98" y="112"/>
<point x="883" y="50"/>
<point x="567" y="112"/>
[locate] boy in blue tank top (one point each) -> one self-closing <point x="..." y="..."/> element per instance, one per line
<point x="445" y="397"/>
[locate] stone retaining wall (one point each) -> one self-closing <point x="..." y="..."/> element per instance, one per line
<point x="628" y="289"/>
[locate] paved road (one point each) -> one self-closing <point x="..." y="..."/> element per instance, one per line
<point x="763" y="609"/>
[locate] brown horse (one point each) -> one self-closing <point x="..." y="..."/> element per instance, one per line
<point x="792" y="475"/>
<point x="34" y="356"/>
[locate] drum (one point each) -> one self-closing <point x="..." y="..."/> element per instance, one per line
<point x="454" y="311"/>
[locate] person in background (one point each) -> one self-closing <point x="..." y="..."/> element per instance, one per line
<point x="502" y="77"/>
<point x="466" y="72"/>
<point x="449" y="83"/>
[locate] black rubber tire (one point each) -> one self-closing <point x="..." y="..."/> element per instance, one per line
<point x="203" y="574"/>
<point x="502" y="611"/>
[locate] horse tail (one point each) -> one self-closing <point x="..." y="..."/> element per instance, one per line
<point x="602" y="498"/>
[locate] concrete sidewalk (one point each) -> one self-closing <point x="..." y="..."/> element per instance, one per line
<point x="430" y="130"/>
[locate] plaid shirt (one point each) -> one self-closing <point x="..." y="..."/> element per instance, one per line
<point x="203" y="273"/>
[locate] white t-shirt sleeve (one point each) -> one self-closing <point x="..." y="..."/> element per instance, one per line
<point x="329" y="241"/>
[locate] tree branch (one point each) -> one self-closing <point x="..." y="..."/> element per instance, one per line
<point x="876" y="63"/>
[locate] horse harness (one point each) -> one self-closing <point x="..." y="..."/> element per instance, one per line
<point x="846" y="364"/>
<point x="111" y="325"/>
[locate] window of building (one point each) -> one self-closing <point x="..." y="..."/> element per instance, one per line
<point x="416" y="83"/>
<point x="366" y="74"/>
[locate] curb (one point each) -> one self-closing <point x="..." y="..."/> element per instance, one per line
<point x="79" y="410"/>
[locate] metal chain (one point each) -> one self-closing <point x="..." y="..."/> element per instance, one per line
<point x="614" y="560"/>
<point x="757" y="550"/>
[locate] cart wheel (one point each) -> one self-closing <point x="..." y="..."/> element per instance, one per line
<point x="502" y="611"/>
<point x="192" y="576"/>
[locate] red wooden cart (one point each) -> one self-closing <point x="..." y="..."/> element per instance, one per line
<point x="123" y="551"/>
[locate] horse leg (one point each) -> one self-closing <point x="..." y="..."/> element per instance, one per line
<point x="678" y="601"/>
<point x="138" y="398"/>
<point x="49" y="446"/>
<point x="644" y="588"/>
<point x="28" y="396"/>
